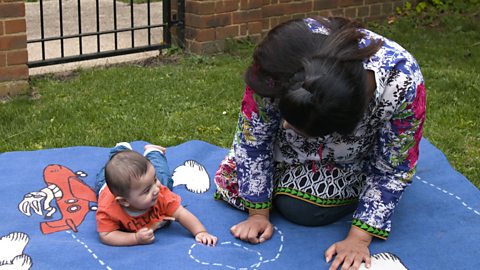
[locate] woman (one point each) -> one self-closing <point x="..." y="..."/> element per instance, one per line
<point x="330" y="124"/>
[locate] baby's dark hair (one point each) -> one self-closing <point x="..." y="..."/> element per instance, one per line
<point x="319" y="79"/>
<point x="123" y="168"/>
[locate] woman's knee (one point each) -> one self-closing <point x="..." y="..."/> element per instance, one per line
<point x="308" y="214"/>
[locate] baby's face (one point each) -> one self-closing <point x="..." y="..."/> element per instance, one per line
<point x="144" y="192"/>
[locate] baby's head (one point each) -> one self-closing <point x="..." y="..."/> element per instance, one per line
<point x="131" y="179"/>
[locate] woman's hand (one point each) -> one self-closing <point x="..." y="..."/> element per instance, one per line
<point x="350" y="252"/>
<point x="206" y="238"/>
<point x="256" y="229"/>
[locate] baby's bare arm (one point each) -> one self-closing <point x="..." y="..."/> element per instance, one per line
<point x="119" y="238"/>
<point x="192" y="224"/>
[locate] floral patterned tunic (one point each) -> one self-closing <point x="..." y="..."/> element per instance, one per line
<point x="372" y="166"/>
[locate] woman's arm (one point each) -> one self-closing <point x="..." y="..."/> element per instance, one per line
<point x="395" y="156"/>
<point x="258" y="124"/>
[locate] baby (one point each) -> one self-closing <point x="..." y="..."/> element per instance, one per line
<point x="134" y="199"/>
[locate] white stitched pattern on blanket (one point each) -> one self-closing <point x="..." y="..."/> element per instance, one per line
<point x="102" y="263"/>
<point x="449" y="193"/>
<point x="253" y="266"/>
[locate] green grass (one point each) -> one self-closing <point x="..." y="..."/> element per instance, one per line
<point x="449" y="57"/>
<point x="198" y="97"/>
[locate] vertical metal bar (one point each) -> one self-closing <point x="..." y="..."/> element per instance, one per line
<point x="148" y="15"/>
<point x="181" y="23"/>
<point x="115" y="23"/>
<point x="62" y="47"/>
<point x="132" y="24"/>
<point x="167" y="21"/>
<point x="79" y="26"/>
<point x="98" y="25"/>
<point x="42" y="31"/>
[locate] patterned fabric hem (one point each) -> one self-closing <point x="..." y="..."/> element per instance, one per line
<point x="312" y="198"/>
<point x="240" y="203"/>
<point x="256" y="205"/>
<point x="234" y="201"/>
<point x="383" y="234"/>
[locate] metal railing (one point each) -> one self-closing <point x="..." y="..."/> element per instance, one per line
<point x="165" y="25"/>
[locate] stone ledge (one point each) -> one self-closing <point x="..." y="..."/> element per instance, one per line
<point x="13" y="88"/>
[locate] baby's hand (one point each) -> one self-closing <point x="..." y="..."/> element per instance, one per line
<point x="145" y="236"/>
<point x="206" y="238"/>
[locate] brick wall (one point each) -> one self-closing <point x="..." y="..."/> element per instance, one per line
<point x="209" y="22"/>
<point x="13" y="48"/>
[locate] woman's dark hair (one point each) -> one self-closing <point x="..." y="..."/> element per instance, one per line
<point x="319" y="79"/>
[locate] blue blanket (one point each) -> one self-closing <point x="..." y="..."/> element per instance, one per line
<point x="48" y="219"/>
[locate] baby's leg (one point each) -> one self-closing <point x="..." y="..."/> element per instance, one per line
<point x="100" y="178"/>
<point x="156" y="155"/>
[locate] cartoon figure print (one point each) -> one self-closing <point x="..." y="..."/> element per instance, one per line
<point x="71" y="194"/>
<point x="11" y="252"/>
<point x="193" y="175"/>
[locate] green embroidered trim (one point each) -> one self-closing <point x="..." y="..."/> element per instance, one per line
<point x="253" y="205"/>
<point x="312" y="198"/>
<point x="217" y="196"/>
<point x="371" y="230"/>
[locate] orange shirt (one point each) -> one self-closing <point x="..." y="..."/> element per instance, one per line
<point x="112" y="217"/>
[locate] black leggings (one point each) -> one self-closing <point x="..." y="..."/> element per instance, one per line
<point x="308" y="214"/>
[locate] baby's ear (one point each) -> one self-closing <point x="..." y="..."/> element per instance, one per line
<point x="122" y="201"/>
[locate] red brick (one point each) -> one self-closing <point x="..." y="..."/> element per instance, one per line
<point x="351" y="12"/>
<point x="348" y="3"/>
<point x="200" y="34"/>
<point x="375" y="10"/>
<point x="205" y="47"/>
<point x="337" y="12"/>
<point x="14" y="73"/>
<point x="226" y="6"/>
<point x="254" y="28"/>
<point x="3" y="59"/>
<point x="207" y="21"/>
<point x="377" y="18"/>
<point x="274" y="22"/>
<point x="12" y="10"/>
<point x="275" y="10"/>
<point x="243" y="29"/>
<point x="230" y="31"/>
<point x="325" y="4"/>
<point x="387" y="8"/>
<point x="1" y="28"/>
<point x="301" y="7"/>
<point x="299" y="16"/>
<point x="363" y="11"/>
<point x="200" y="8"/>
<point x="15" y="26"/>
<point x="17" y="57"/>
<point x="243" y="4"/>
<point x="13" y="42"/>
<point x="265" y="23"/>
<point x="247" y="16"/>
<point x="253" y="4"/>
<point x="368" y="2"/>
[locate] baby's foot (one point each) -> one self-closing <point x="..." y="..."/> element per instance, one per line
<point x="124" y="144"/>
<point x="151" y="147"/>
